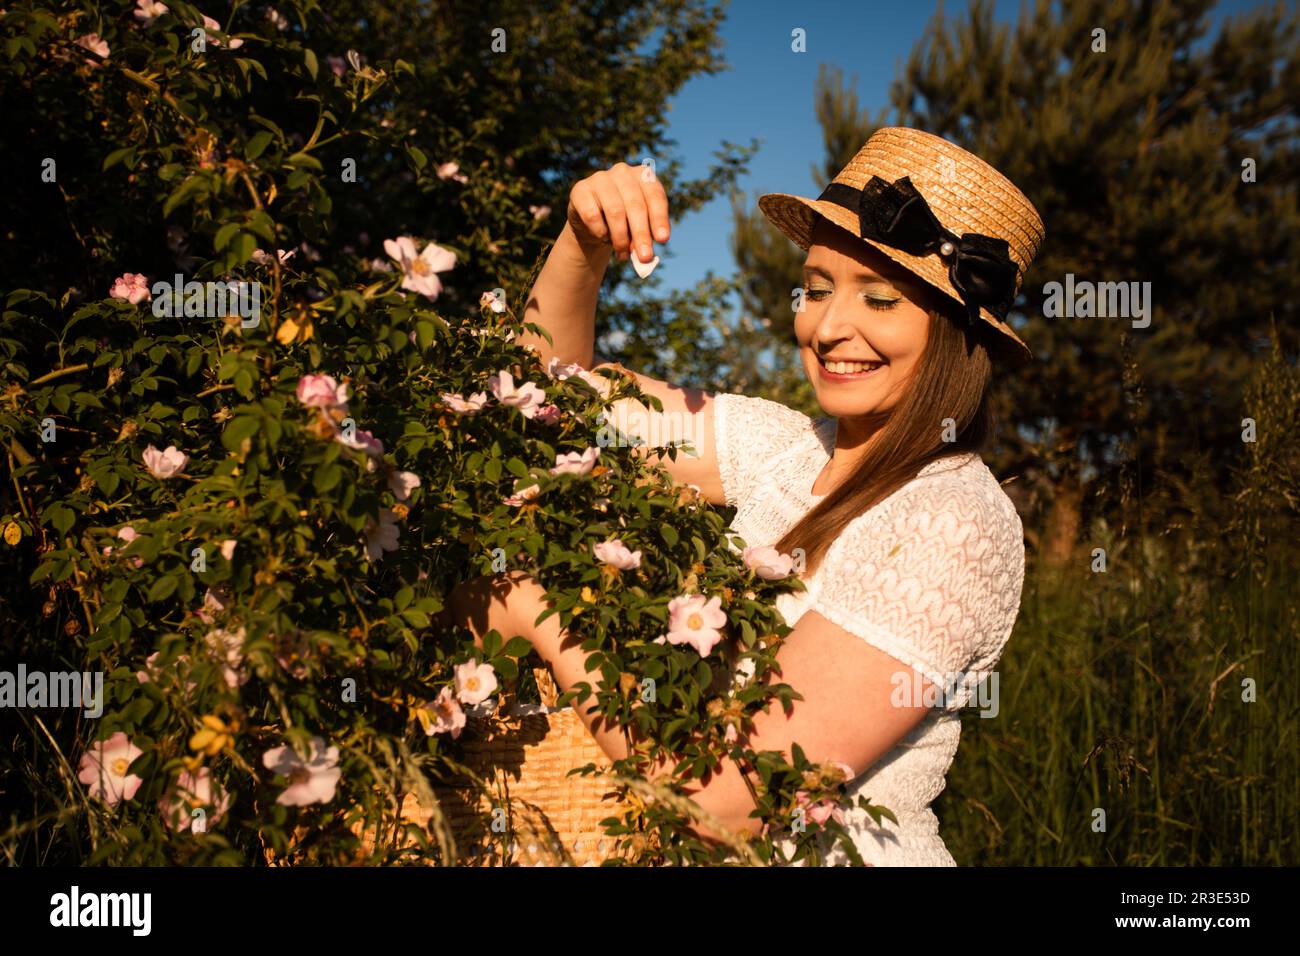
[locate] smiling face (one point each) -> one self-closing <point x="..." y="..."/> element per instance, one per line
<point x="864" y="326"/>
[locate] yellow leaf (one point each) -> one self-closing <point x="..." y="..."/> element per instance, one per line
<point x="425" y="720"/>
<point x="13" y="533"/>
<point x="287" y="332"/>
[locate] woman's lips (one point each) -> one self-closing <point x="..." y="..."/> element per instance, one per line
<point x="830" y="376"/>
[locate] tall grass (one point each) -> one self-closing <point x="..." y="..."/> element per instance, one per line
<point x="1123" y="691"/>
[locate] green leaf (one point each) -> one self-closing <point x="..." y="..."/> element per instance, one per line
<point x="403" y="597"/>
<point x="424" y="334"/>
<point x="126" y="154"/>
<point x="309" y="58"/>
<point x="162" y="588"/>
<point x="327" y="477"/>
<point x="242" y="249"/>
<point x="243" y="380"/>
<point x="240" y="427"/>
<point x="417" y="617"/>
<point x="61" y="517"/>
<point x="258" y="145"/>
<point x="262" y="225"/>
<point x="429" y="605"/>
<point x="192" y="188"/>
<point x="227" y="232"/>
<point x="305" y="161"/>
<point x="517" y="647"/>
<point x="109" y="482"/>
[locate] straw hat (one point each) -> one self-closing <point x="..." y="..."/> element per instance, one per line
<point x="935" y="209"/>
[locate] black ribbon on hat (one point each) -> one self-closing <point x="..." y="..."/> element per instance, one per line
<point x="979" y="267"/>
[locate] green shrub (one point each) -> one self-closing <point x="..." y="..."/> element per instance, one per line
<point x="249" y="521"/>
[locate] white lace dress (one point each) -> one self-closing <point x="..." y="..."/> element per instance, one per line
<point x="931" y="576"/>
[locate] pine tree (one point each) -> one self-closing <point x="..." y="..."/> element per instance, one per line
<point x="1155" y="153"/>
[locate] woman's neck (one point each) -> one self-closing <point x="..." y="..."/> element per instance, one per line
<point x="853" y="438"/>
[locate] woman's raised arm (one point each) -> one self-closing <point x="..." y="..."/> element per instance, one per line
<point x="620" y="210"/>
<point x="563" y="301"/>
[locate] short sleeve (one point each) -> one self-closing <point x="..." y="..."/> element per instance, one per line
<point x="931" y="577"/>
<point x="748" y="434"/>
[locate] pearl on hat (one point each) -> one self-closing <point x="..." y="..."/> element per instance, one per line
<point x="947" y="249"/>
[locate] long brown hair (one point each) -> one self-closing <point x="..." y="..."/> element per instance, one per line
<point x="951" y="380"/>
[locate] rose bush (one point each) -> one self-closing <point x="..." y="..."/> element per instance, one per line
<point x="250" y="524"/>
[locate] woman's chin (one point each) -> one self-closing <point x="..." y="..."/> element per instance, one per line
<point x="843" y="403"/>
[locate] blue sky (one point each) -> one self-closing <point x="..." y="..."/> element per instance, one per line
<point x="768" y="94"/>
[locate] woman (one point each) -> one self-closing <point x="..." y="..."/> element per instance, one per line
<point x="914" y="556"/>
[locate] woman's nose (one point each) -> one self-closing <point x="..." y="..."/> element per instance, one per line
<point x="833" y="325"/>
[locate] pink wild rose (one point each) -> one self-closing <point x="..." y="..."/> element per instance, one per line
<point x="127" y="534"/>
<point x="475" y="682"/>
<point x="95" y="44"/>
<point x="616" y="554"/>
<point x="381" y="535"/>
<point x="576" y="463"/>
<point x="560" y="370"/>
<point x="528" y="398"/>
<point x="402" y="483"/>
<point x="448" y="716"/>
<point x="194" y="792"/>
<point x="103" y="769"/>
<point x="819" y="812"/>
<point x="211" y="24"/>
<point x="767" y="562"/>
<point x="312" y="780"/>
<point x="147" y="11"/>
<point x="131" y="286"/>
<point x="420" y="268"/>
<point x="548" y="414"/>
<point x="321" y="391"/>
<point x="465" y="406"/>
<point x="165" y="464"/>
<point x="451" y="171"/>
<point x="360" y="440"/>
<point x="522" y="495"/>
<point x="696" y="621"/>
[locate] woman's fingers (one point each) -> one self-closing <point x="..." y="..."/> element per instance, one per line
<point x="625" y="206"/>
<point x="636" y="211"/>
<point x="586" y="205"/>
<point x="656" y="202"/>
<point x="611" y="205"/>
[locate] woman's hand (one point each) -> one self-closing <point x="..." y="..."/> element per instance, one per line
<point x="624" y="206"/>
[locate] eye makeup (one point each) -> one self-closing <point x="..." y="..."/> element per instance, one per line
<point x="876" y="301"/>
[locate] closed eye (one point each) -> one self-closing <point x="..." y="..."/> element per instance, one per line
<point x="880" y="303"/>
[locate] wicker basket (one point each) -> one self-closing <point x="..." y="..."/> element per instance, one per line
<point x="523" y="754"/>
<point x="549" y="819"/>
